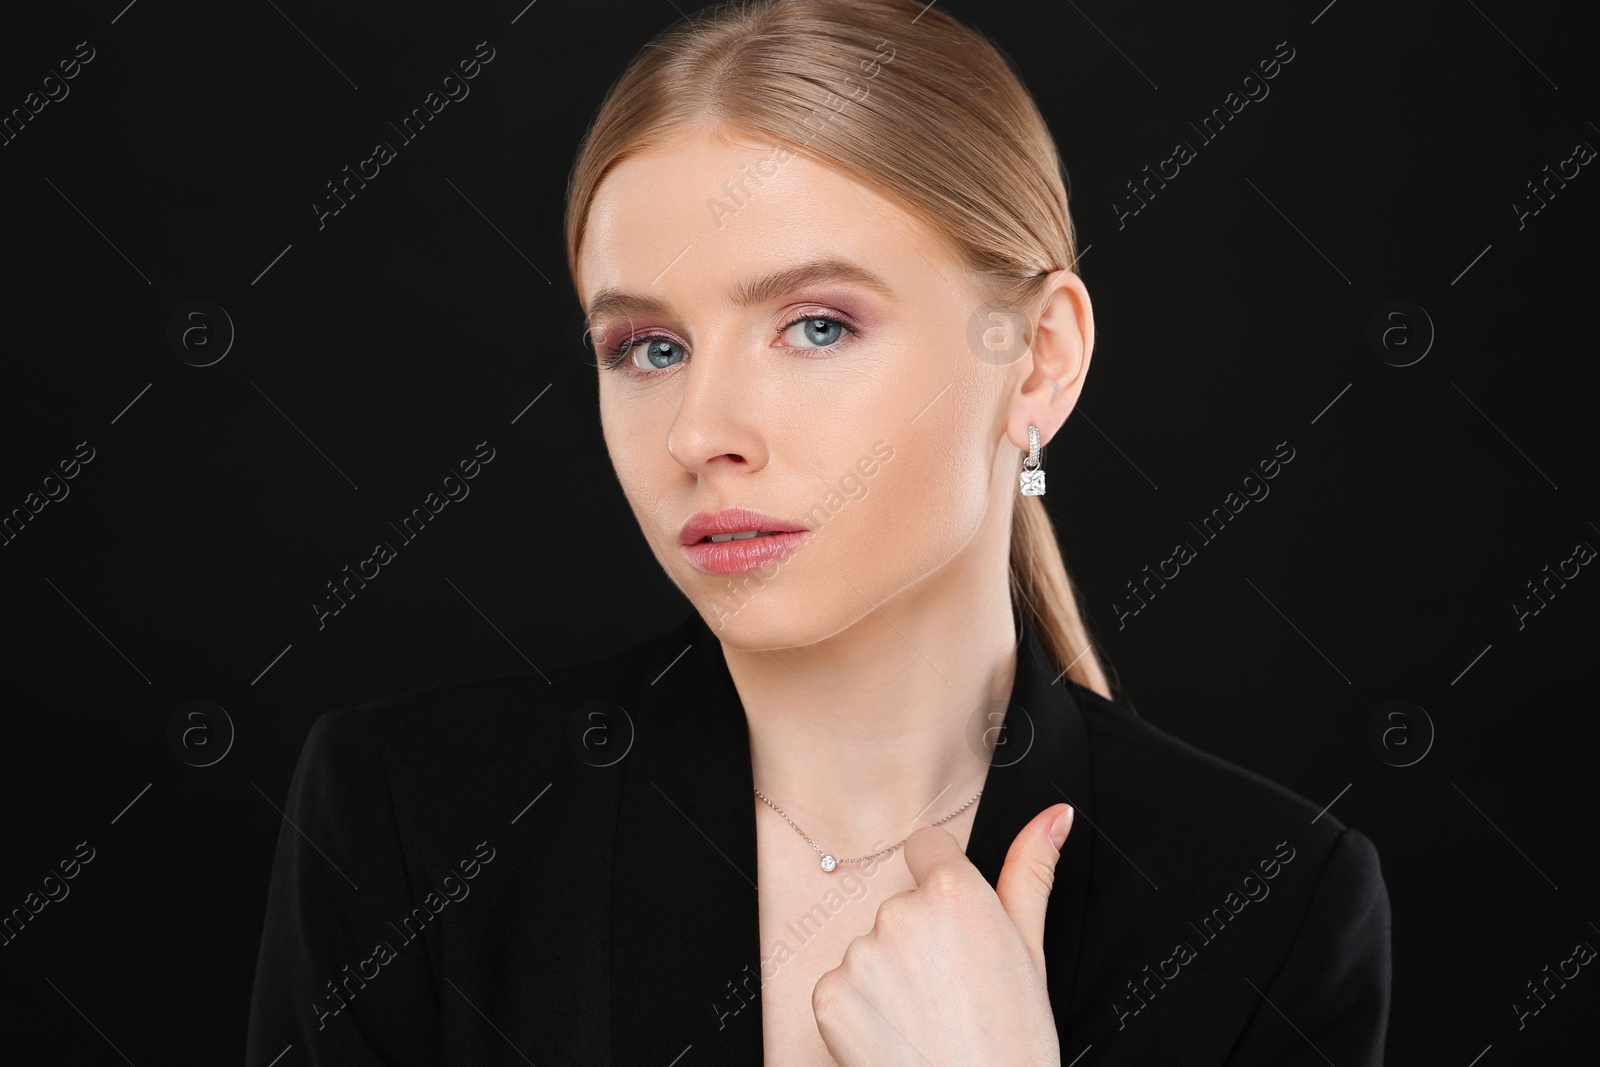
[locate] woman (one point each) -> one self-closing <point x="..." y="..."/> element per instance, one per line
<point x="872" y="802"/>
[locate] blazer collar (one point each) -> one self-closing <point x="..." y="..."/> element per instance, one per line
<point x="685" y="947"/>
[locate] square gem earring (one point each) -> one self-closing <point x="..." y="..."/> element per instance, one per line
<point x="1032" y="476"/>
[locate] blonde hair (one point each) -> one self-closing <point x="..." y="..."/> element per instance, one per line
<point x="917" y="106"/>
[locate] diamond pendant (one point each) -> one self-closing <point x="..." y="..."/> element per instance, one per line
<point x="1033" y="483"/>
<point x="828" y="862"/>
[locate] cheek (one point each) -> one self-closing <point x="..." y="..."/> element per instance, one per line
<point x="928" y="501"/>
<point x="635" y="447"/>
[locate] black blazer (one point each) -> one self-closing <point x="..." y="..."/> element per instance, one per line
<point x="459" y="880"/>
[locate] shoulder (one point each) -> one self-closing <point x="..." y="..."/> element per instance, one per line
<point x="1210" y="834"/>
<point x="1202" y="866"/>
<point x="1145" y="775"/>
<point x="615" y="675"/>
<point x="508" y="726"/>
<point x="394" y="807"/>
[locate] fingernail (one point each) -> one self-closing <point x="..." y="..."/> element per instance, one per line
<point x="1058" y="829"/>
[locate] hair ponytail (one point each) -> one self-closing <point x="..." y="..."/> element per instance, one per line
<point x="1040" y="583"/>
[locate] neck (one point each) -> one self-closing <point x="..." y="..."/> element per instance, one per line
<point x="879" y="729"/>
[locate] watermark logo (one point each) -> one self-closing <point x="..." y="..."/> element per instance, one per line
<point x="1400" y="333"/>
<point x="200" y="333"/>
<point x="599" y="732"/>
<point x="1001" y="738"/>
<point x="999" y="334"/>
<point x="200" y="733"/>
<point x="1399" y="733"/>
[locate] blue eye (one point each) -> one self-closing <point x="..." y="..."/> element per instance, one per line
<point x="820" y="332"/>
<point x="657" y="352"/>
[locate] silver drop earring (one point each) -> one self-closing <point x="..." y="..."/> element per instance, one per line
<point x="1032" y="476"/>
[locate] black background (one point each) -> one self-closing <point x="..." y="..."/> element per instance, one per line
<point x="373" y="354"/>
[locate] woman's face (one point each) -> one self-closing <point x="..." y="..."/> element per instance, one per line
<point x="802" y="348"/>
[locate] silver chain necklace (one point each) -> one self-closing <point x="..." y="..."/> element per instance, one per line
<point x="829" y="862"/>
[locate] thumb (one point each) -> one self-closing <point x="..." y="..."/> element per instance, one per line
<point x="1028" y="875"/>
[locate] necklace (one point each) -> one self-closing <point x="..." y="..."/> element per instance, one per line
<point x="829" y="862"/>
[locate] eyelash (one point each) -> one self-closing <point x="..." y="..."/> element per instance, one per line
<point x="618" y="354"/>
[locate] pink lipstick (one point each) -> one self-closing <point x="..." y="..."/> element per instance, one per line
<point x="735" y="540"/>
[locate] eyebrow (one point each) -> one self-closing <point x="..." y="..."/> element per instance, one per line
<point x="623" y="304"/>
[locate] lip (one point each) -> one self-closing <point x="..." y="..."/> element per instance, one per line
<point x="743" y="554"/>
<point x="703" y="524"/>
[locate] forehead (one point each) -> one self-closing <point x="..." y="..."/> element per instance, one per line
<point x="701" y="215"/>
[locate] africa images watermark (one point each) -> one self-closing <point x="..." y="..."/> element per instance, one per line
<point x="1143" y="989"/>
<point x="1255" y="489"/>
<point x="1551" y="183"/>
<point x="810" y="922"/>
<point x="1552" y="983"/>
<point x="411" y="526"/>
<point x="852" y="486"/>
<point x="766" y="168"/>
<point x="55" y="91"/>
<point x="454" y="890"/>
<point x="1184" y="153"/>
<point x="989" y="720"/>
<point x="1568" y="568"/>
<point x="55" y="490"/>
<point x="383" y="153"/>
<point x="53" y="888"/>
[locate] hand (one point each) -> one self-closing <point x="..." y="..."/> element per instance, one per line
<point x="951" y="971"/>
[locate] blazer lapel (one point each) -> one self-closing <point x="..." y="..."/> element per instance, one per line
<point x="685" y="931"/>
<point x="1042" y="759"/>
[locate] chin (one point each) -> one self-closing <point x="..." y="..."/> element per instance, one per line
<point x="759" y="621"/>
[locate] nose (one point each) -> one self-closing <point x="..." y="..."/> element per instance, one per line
<point x="715" y="430"/>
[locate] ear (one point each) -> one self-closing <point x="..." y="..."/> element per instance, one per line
<point x="1050" y="376"/>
